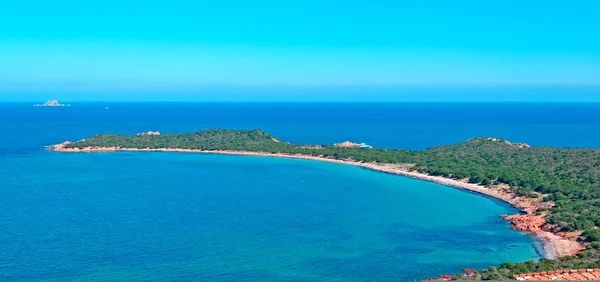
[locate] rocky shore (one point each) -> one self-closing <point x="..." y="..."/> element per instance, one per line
<point x="557" y="244"/>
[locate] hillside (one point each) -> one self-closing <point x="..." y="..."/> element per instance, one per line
<point x="568" y="177"/>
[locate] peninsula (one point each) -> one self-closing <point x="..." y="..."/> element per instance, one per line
<point x="557" y="189"/>
<point x="51" y="103"/>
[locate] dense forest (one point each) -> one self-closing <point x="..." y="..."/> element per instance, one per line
<point x="568" y="177"/>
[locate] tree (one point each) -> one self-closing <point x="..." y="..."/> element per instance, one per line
<point x="486" y="182"/>
<point x="592" y="235"/>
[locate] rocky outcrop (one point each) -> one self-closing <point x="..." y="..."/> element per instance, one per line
<point x="469" y="271"/>
<point x="518" y="145"/>
<point x="443" y="277"/>
<point x="447" y="277"/>
<point x="561" y="243"/>
<point x="58" y="147"/>
<point x="150" y="133"/>
<point x="526" y="222"/>
<point x="590" y="274"/>
<point x="51" y="103"/>
<point x="347" y="144"/>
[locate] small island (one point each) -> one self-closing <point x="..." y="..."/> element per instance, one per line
<point x="556" y="189"/>
<point x="51" y="103"/>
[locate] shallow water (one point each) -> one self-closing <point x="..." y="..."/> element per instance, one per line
<point x="173" y="216"/>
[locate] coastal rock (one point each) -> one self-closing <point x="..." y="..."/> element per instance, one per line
<point x="469" y="271"/>
<point x="347" y="144"/>
<point x="58" y="147"/>
<point x="150" y="133"/>
<point x="526" y="222"/>
<point x="589" y="274"/>
<point x="51" y="103"/>
<point x="443" y="277"/>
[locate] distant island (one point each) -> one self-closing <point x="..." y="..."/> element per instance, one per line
<point x="557" y="189"/>
<point x="51" y="103"/>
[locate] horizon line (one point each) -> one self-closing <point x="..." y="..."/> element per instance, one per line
<point x="302" y="101"/>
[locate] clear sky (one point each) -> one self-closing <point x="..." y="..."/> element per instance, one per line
<point x="290" y="50"/>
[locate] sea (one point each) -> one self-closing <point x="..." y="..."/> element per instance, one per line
<point x="131" y="216"/>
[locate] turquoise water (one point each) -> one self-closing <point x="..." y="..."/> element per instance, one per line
<point x="184" y="217"/>
<point x="170" y="216"/>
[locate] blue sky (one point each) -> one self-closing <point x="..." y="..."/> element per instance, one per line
<point x="299" y="50"/>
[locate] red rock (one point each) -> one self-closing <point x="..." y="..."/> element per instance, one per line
<point x="469" y="271"/>
<point x="526" y="222"/>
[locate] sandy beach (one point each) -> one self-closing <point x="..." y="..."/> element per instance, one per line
<point x="556" y="244"/>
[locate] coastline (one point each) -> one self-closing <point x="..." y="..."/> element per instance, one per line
<point x="556" y="244"/>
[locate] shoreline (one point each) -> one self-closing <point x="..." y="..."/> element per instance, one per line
<point x="556" y="244"/>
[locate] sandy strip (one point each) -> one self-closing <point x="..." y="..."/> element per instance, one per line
<point x="555" y="245"/>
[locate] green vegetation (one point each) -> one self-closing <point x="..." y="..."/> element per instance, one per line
<point x="215" y="139"/>
<point x="568" y="177"/>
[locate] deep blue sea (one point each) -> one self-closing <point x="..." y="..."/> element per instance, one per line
<point x="199" y="217"/>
